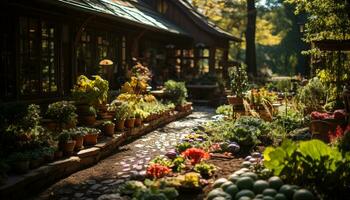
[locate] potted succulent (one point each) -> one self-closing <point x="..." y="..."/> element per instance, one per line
<point x="20" y="162"/>
<point x="63" y="113"/>
<point x="90" y="138"/>
<point x="78" y="135"/>
<point x="108" y="128"/>
<point x="66" y="142"/>
<point x="238" y="83"/>
<point x="121" y="113"/>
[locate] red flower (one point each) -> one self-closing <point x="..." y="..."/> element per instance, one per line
<point x="195" y="155"/>
<point x="158" y="171"/>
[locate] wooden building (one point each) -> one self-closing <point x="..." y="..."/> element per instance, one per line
<point x="46" y="44"/>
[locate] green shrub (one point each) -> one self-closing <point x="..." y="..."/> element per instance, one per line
<point x="175" y="92"/>
<point x="226" y="110"/>
<point x="239" y="80"/>
<point x="311" y="164"/>
<point x="62" y="112"/>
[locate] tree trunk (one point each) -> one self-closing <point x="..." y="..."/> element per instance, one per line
<point x="250" y="38"/>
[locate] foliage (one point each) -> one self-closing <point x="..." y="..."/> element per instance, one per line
<point x="161" y="160"/>
<point x="260" y="96"/>
<point x="226" y="110"/>
<point x="32" y="118"/>
<point x="310" y="163"/>
<point x="238" y="80"/>
<point x="62" y="112"/>
<point x="175" y="92"/>
<point x="344" y="143"/>
<point x="289" y="120"/>
<point x="64" y="136"/>
<point x="195" y="155"/>
<point x="280" y="85"/>
<point x="121" y="112"/>
<point x="205" y="169"/>
<point x="181" y="147"/>
<point x="157" y="171"/>
<point x="87" y="91"/>
<point x="141" y="72"/>
<point x="105" y="123"/>
<point x="312" y="96"/>
<point x="178" y="164"/>
<point x="136" y="85"/>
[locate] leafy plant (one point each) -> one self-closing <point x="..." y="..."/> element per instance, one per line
<point x="32" y="117"/>
<point x="64" y="136"/>
<point x="178" y="164"/>
<point x="239" y="80"/>
<point x="87" y="91"/>
<point x="105" y="123"/>
<point x="181" y="147"/>
<point x="62" y="112"/>
<point x="175" y="92"/>
<point x="206" y="170"/>
<point x="312" y="96"/>
<point x="121" y="112"/>
<point x="310" y="163"/>
<point x="289" y="120"/>
<point x="226" y="110"/>
<point x="162" y="161"/>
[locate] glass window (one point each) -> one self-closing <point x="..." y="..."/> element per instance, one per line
<point x="37" y="61"/>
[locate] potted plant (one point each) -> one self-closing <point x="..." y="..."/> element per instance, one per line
<point x="89" y="117"/>
<point x="176" y="93"/>
<point x="130" y="120"/>
<point x="90" y="138"/>
<point x="108" y="128"/>
<point x="102" y="87"/>
<point x="78" y="135"/>
<point x="19" y="162"/>
<point x="58" y="153"/>
<point x="66" y="142"/>
<point x="139" y="116"/>
<point x="121" y="113"/>
<point x="238" y="83"/>
<point x="63" y="113"/>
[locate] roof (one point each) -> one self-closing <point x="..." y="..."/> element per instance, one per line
<point x="129" y="11"/>
<point x="203" y="22"/>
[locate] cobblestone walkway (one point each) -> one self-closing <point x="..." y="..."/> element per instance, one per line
<point x="99" y="181"/>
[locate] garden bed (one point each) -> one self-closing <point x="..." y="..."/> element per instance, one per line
<point x="38" y="179"/>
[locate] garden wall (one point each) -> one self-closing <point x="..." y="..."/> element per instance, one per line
<point x="23" y="186"/>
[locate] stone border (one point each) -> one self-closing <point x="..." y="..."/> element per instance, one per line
<point x="23" y="186"/>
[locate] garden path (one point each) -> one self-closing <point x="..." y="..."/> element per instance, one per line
<point x="100" y="181"/>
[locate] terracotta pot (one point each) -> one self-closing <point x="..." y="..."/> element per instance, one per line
<point x="102" y="108"/>
<point x="79" y="141"/>
<point x="90" y="139"/>
<point x="49" y="157"/>
<point x="87" y="120"/>
<point x="21" y="166"/>
<point x="130" y="123"/>
<point x="234" y="100"/>
<point x="180" y="108"/>
<point x="138" y="122"/>
<point x="120" y="125"/>
<point x="68" y="147"/>
<point x="108" y="130"/>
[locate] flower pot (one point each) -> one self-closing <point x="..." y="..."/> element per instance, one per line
<point x="68" y="147"/>
<point x="180" y="108"/>
<point x="120" y="125"/>
<point x="320" y="130"/>
<point x="87" y="120"/>
<point x="234" y="100"/>
<point x="138" y="121"/>
<point x="49" y="157"/>
<point x="79" y="141"/>
<point x="102" y="108"/>
<point x="90" y="139"/>
<point x="130" y="123"/>
<point x="188" y="106"/>
<point x="108" y="129"/>
<point x="21" y="166"/>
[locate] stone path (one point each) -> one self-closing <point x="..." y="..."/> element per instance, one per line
<point x="100" y="181"/>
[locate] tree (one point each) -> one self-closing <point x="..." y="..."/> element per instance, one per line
<point x="250" y="38"/>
